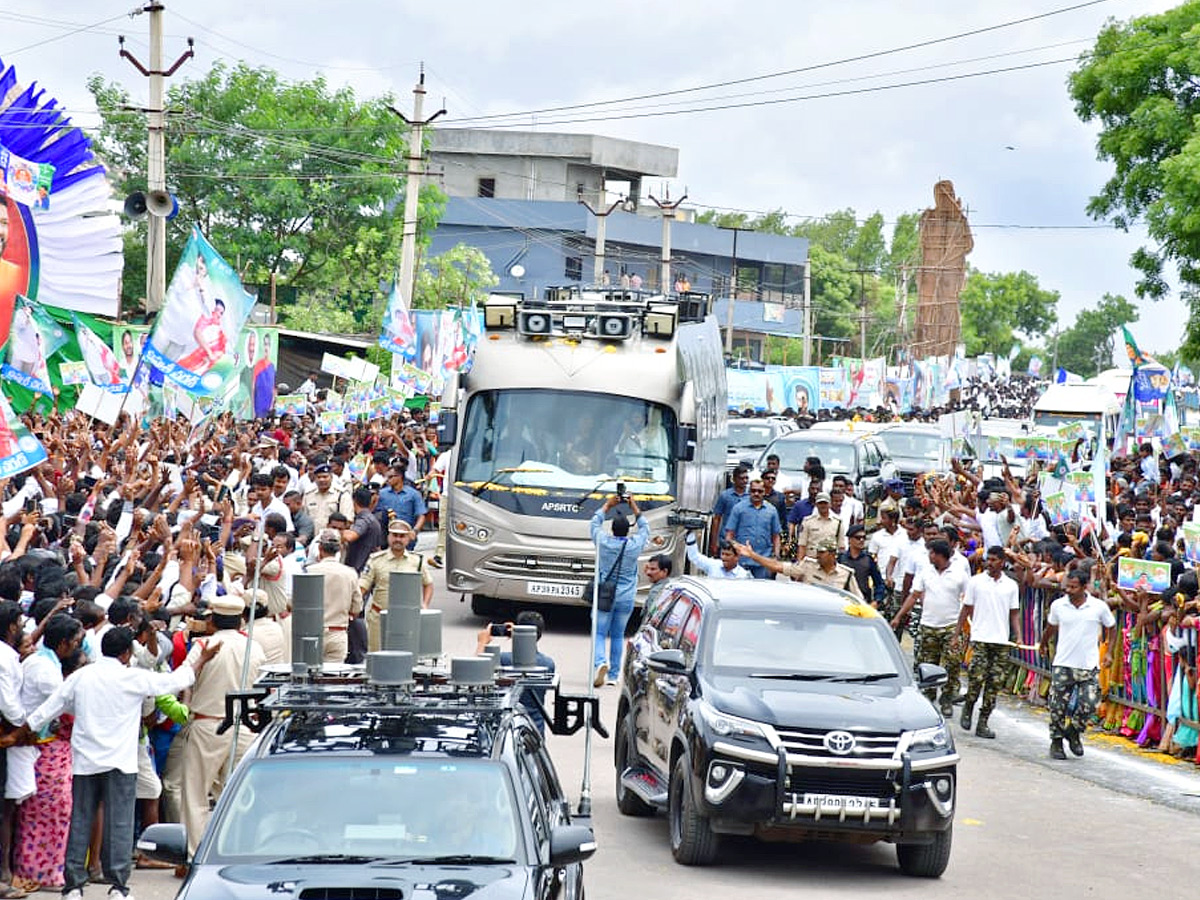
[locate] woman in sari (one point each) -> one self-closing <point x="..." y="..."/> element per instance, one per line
<point x="210" y="338"/>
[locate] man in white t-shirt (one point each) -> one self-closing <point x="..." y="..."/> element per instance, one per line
<point x="939" y="587"/>
<point x="1079" y="621"/>
<point x="993" y="605"/>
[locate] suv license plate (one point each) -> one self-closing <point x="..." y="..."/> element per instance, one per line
<point x="838" y="801"/>
<point x="553" y="589"/>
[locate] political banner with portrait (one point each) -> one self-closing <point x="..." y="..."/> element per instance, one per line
<point x="102" y="366"/>
<point x="196" y="337"/>
<point x="257" y="358"/>
<point x="19" y="450"/>
<point x="32" y="339"/>
<point x="128" y="342"/>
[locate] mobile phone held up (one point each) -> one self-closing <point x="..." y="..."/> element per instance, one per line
<point x="500" y="630"/>
<point x="621" y="495"/>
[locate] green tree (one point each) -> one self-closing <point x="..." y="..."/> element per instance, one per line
<point x="1086" y="347"/>
<point x="835" y="288"/>
<point x="905" y="248"/>
<point x="1141" y="83"/>
<point x="995" y="306"/>
<point x="294" y="179"/>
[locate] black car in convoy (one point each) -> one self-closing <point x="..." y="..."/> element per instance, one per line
<point x="387" y="792"/>
<point x="783" y="711"/>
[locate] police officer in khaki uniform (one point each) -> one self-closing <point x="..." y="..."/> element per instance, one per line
<point x="374" y="579"/>
<point x="326" y="498"/>
<point x="343" y="597"/>
<point x="820" y="526"/>
<point x="825" y="569"/>
<point x="205" y="753"/>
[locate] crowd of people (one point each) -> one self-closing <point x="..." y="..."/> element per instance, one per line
<point x="131" y="562"/>
<point x="981" y="576"/>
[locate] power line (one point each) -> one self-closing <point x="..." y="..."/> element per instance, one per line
<point x="823" y="65"/>
<point x="59" y="37"/>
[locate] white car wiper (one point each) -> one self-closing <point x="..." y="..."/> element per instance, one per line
<point x="795" y="676"/>
<point x="872" y="676"/>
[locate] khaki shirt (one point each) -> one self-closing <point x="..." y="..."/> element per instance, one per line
<point x="810" y="572"/>
<point x="814" y="529"/>
<point x="374" y="578"/>
<point x="268" y="634"/>
<point x="223" y="673"/>
<point x="343" y="597"/>
<point x="320" y="506"/>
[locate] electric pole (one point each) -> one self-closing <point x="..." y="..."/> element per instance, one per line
<point x="668" y="213"/>
<point x="733" y="288"/>
<point x="601" y="221"/>
<point x="808" y="312"/>
<point x="156" y="157"/>
<point x="415" y="158"/>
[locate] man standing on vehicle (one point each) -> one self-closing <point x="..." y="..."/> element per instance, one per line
<point x="616" y="559"/>
<point x="820" y="526"/>
<point x="374" y="579"/>
<point x="940" y="588"/>
<point x="993" y="606"/>
<point x="1079" y="621"/>
<point x="726" y="501"/>
<point x="756" y="523"/>
<point x="825" y="569"/>
<point x="858" y="560"/>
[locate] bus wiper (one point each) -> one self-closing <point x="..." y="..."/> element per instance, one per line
<point x="494" y="479"/>
<point x="594" y="488"/>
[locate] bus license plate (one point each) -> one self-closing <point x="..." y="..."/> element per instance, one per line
<point x="553" y="589"/>
<point x="837" y="801"/>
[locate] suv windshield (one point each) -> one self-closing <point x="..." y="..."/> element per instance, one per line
<point x="368" y="807"/>
<point x="749" y="434"/>
<point x="913" y="444"/>
<point x="835" y="456"/>
<point x="783" y="644"/>
<point x="568" y="440"/>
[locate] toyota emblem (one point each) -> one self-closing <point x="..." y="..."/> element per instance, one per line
<point x="839" y="743"/>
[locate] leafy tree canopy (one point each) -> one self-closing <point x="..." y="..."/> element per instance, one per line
<point x="294" y="179"/>
<point x="995" y="306"/>
<point x="1086" y="347"/>
<point x="1141" y="84"/>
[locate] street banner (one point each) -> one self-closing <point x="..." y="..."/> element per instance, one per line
<point x="25" y="181"/>
<point x="1145" y="574"/>
<point x="195" y="338"/>
<point x="102" y="366"/>
<point x="291" y="405"/>
<point x="398" y="334"/>
<point x="1191" y="541"/>
<point x="33" y="338"/>
<point x="254" y="394"/>
<point x="331" y="421"/>
<point x="19" y="450"/>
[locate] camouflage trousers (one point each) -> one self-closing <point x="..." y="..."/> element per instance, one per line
<point x="1074" y="696"/>
<point x="985" y="674"/>
<point x="935" y="647"/>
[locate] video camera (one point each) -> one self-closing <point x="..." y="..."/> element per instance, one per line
<point x="689" y="519"/>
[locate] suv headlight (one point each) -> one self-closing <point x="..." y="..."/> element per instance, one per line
<point x="730" y="726"/>
<point x="478" y="533"/>
<point x="931" y="740"/>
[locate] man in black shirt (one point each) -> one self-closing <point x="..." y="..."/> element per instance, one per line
<point x="364" y="535"/>
<point x="862" y="563"/>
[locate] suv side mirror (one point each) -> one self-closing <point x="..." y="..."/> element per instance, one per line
<point x="571" y="844"/>
<point x="668" y="662"/>
<point x="166" y="841"/>
<point x="931" y="676"/>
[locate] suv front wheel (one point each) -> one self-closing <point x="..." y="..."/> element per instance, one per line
<point x="926" y="860"/>
<point x="693" y="842"/>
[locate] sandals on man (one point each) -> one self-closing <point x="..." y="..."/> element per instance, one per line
<point x="11" y="892"/>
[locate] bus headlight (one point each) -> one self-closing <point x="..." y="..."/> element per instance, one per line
<point x="480" y="534"/>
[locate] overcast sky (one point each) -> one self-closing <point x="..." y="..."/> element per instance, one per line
<point x="1010" y="142"/>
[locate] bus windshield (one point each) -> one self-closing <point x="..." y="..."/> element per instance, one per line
<point x="567" y="440"/>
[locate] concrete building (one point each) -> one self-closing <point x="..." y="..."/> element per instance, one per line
<point x="515" y="196"/>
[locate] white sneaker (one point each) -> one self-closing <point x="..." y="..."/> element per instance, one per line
<point x="601" y="673"/>
<point x="76" y="894"/>
<point x="114" y="893"/>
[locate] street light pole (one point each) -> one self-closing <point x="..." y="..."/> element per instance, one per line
<point x="733" y="278"/>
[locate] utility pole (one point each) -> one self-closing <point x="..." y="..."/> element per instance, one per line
<point x="601" y="220"/>
<point x="862" y="315"/>
<point x="668" y="213"/>
<point x="156" y="157"/>
<point x="733" y="287"/>
<point x="808" y="311"/>
<point x="415" y="157"/>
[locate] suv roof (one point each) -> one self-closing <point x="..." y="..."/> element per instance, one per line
<point x="762" y="594"/>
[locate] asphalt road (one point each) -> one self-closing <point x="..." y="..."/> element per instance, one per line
<point x="1026" y="826"/>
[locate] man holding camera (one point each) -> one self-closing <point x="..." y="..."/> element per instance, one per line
<point x="484" y="637"/>
<point x="616" y="561"/>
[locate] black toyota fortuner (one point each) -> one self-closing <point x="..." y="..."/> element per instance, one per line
<point x="784" y="711"/>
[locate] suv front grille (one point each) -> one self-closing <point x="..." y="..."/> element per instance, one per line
<point x="538" y="565"/>
<point x="867" y="744"/>
<point x="843" y="782"/>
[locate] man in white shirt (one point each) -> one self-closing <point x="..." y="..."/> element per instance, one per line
<point x="997" y="521"/>
<point x="106" y="699"/>
<point x="939" y="587"/>
<point x="993" y="606"/>
<point x="725" y="567"/>
<point x="1079" y="621"/>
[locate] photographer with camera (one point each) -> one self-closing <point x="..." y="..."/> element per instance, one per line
<point x="617" y="565"/>
<point x="505" y="629"/>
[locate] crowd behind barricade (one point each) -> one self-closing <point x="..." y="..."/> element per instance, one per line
<point x="131" y="562"/>
<point x="989" y="583"/>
